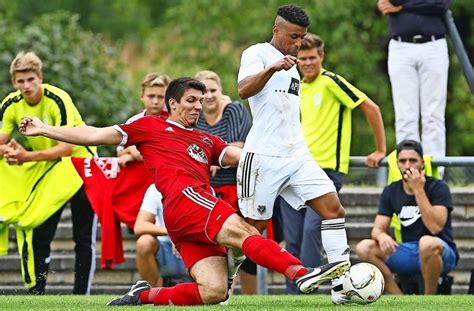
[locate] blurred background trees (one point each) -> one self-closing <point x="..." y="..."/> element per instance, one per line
<point x="76" y="60"/>
<point x="99" y="50"/>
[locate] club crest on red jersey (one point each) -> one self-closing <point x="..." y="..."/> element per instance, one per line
<point x="197" y="153"/>
<point x="206" y="140"/>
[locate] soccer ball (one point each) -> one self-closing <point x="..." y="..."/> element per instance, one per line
<point x="364" y="283"/>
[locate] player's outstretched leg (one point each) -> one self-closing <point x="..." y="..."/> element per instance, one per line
<point x="235" y="258"/>
<point x="316" y="276"/>
<point x="133" y="295"/>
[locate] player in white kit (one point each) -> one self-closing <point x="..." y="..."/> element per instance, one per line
<point x="275" y="159"/>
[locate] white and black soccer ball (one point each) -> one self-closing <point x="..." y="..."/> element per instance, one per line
<point x="364" y="283"/>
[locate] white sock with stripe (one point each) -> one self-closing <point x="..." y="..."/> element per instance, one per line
<point x="334" y="238"/>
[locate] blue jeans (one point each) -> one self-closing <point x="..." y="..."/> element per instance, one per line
<point x="302" y="230"/>
<point x="406" y="259"/>
<point x="170" y="265"/>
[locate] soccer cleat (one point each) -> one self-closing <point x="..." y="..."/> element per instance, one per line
<point x="229" y="292"/>
<point x="339" y="297"/>
<point x="316" y="276"/>
<point x="132" y="298"/>
<point x="235" y="258"/>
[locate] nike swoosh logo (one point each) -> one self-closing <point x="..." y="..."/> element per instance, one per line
<point x="132" y="292"/>
<point x="409" y="222"/>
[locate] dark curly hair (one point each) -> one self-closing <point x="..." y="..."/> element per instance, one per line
<point x="294" y="14"/>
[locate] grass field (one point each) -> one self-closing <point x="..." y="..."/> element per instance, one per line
<point x="260" y="303"/>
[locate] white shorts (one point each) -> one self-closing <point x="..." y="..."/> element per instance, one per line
<point x="261" y="178"/>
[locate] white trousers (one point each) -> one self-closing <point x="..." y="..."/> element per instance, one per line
<point x="419" y="78"/>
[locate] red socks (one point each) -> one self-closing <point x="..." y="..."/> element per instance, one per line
<point x="260" y="250"/>
<point x="184" y="294"/>
<point x="269" y="254"/>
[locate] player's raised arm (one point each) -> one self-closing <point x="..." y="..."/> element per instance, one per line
<point x="251" y="85"/>
<point x="84" y="135"/>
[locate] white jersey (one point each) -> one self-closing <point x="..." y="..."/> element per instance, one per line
<point x="276" y="129"/>
<point x="152" y="204"/>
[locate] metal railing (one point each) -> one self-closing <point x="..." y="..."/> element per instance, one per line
<point x="381" y="175"/>
<point x="359" y="161"/>
<point x="381" y="180"/>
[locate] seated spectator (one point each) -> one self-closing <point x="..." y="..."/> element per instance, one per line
<point x="156" y="256"/>
<point x="423" y="205"/>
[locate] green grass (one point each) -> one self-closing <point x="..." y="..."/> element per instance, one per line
<point x="260" y="303"/>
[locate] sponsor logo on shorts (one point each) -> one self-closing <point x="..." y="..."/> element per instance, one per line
<point x="261" y="209"/>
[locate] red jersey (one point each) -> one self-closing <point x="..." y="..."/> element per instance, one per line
<point x="176" y="157"/>
<point x="142" y="114"/>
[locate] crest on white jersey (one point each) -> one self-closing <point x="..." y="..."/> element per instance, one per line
<point x="197" y="153"/>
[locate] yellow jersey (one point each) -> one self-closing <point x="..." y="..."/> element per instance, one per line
<point x="326" y="118"/>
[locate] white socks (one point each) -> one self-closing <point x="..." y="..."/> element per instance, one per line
<point x="235" y="258"/>
<point x="334" y="238"/>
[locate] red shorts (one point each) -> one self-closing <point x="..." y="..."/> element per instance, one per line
<point x="193" y="220"/>
<point x="228" y="193"/>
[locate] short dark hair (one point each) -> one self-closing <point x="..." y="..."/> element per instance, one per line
<point x="311" y="41"/>
<point x="408" y="144"/>
<point x="178" y="86"/>
<point x="294" y="14"/>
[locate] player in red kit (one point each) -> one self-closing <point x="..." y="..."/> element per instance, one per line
<point x="201" y="225"/>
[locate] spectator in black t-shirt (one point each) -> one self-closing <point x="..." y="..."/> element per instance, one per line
<point x="423" y="205"/>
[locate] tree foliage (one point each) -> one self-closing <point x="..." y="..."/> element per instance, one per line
<point x="182" y="37"/>
<point x="118" y="20"/>
<point x="74" y="60"/>
<point x="207" y="34"/>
